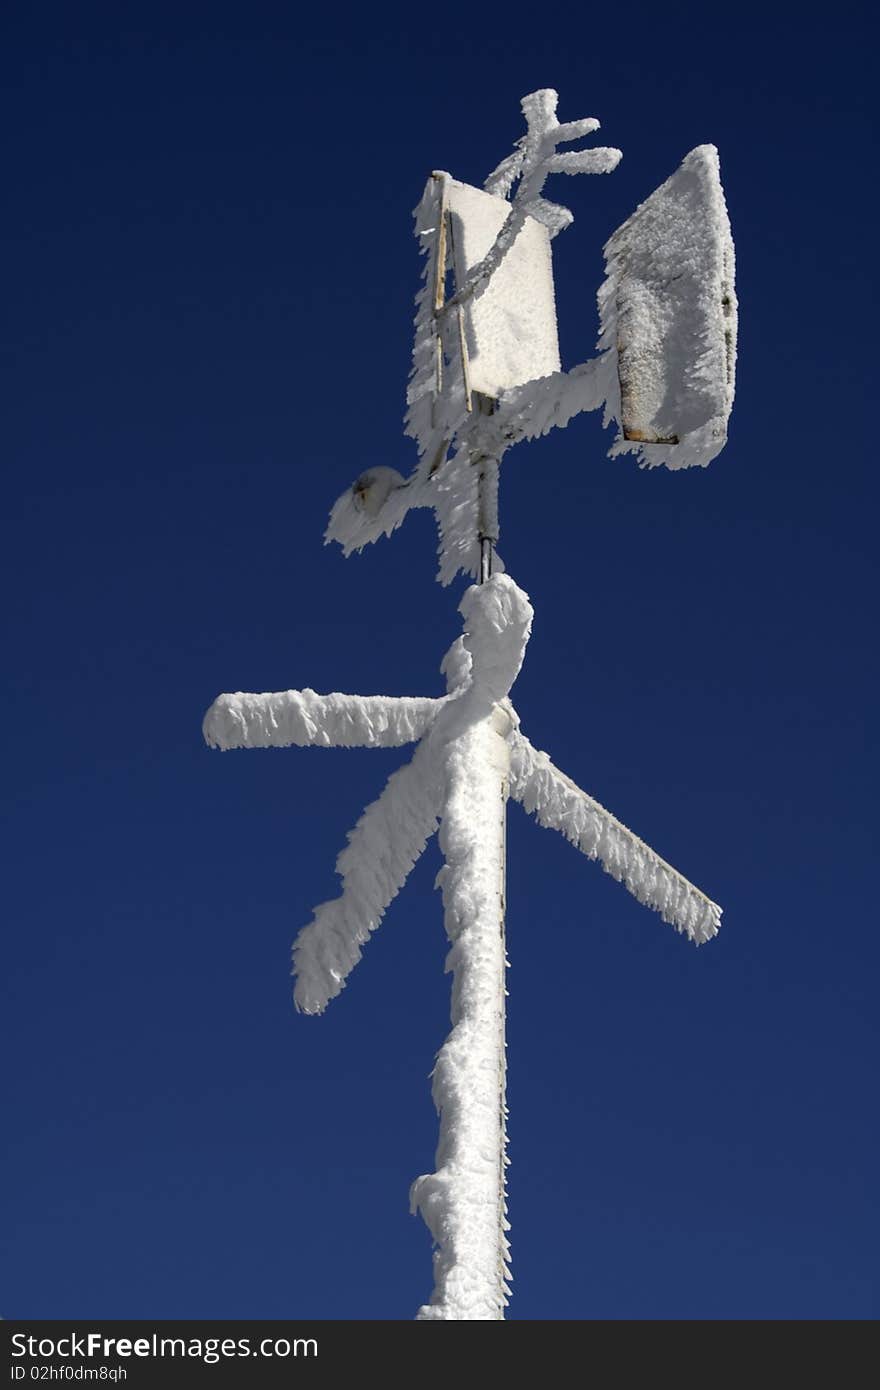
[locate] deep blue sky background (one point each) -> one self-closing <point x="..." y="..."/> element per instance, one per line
<point x="209" y="273"/>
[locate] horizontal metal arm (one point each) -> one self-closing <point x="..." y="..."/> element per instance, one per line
<point x="302" y="718"/>
<point x="559" y="803"/>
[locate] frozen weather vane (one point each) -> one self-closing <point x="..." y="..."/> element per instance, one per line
<point x="486" y="375"/>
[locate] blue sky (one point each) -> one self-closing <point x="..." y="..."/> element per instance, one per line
<point x="210" y="274"/>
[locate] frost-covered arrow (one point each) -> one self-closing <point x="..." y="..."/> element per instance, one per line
<point x="470" y="756"/>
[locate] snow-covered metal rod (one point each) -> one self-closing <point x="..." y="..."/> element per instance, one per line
<point x="464" y="1202"/>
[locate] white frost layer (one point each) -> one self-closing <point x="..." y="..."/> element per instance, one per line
<point x="454" y="493"/>
<point x="454" y="490"/>
<point x="553" y="401"/>
<point x="379" y="500"/>
<point x="496" y="332"/>
<point x="497" y="625"/>
<point x="393" y="831"/>
<point x="470" y="755"/>
<point x="561" y="805"/>
<point x="302" y="718"/>
<point x="511" y="327"/>
<point x="668" y="311"/>
<point x="382" y="849"/>
<point x="463" y="1201"/>
<point x="422" y="389"/>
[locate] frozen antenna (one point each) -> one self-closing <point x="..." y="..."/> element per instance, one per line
<point x="486" y="375"/>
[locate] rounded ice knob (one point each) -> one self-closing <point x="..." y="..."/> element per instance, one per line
<point x="370" y="491"/>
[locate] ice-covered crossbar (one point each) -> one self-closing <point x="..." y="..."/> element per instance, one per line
<point x="393" y="831"/>
<point x="668" y="315"/>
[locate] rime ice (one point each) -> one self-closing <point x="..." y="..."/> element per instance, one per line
<point x="668" y="310"/>
<point x="470" y="757"/>
<point x="556" y="802"/>
<point x="510" y="329"/>
<point x="486" y="372"/>
<point x="485" y="376"/>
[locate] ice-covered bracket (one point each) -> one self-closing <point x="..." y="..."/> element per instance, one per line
<point x="486" y="371"/>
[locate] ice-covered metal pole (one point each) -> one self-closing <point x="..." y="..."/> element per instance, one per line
<point x="486" y="374"/>
<point x="464" y="1201"/>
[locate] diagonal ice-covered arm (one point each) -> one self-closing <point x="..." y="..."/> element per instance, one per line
<point x="301" y="718"/>
<point x="550" y="402"/>
<point x="558" y="803"/>
<point x="382" y="849"/>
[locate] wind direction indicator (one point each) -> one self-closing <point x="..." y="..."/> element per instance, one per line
<point x="486" y="375"/>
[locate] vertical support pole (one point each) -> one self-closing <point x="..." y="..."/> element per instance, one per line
<point x="487" y="513"/>
<point x="440" y="282"/>
<point x="464" y="1201"/>
<point x="487" y="551"/>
